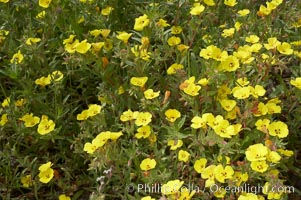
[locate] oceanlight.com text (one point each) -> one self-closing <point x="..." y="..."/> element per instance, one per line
<point x="255" y="189"/>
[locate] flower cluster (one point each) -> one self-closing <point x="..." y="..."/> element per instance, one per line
<point x="100" y="140"/>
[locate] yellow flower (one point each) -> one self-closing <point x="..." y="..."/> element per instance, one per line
<point x="208" y="173"/>
<point x="209" y="2"/>
<point x="259" y="166"/>
<point x="128" y="115"/>
<point x="150" y="94"/>
<point x="172" y="115"/>
<point x="230" y="3"/>
<point x="20" y="102"/>
<point x="82" y="47"/>
<point x="261" y="110"/>
<point x="3" y="33"/>
<point x="148" y="164"/>
<point x="56" y="76"/>
<point x="285" y="48"/>
<point x="83" y="115"/>
<point x="183" y="156"/>
<point x="44" y="3"/>
<point x="30" y="120"/>
<point x="220" y="193"/>
<point x="257" y="91"/>
<point x="256" y="152"/>
<point x="297" y="53"/>
<point x="162" y="23"/>
<point x="200" y="165"/>
<point x="262" y="125"/>
<point x="174" y="68"/>
<point x="105" y="32"/>
<point x="43" y="81"/>
<point x="101" y="139"/>
<point x="6" y="102"/>
<point x="185" y="194"/>
<point x="271" y="191"/>
<point x="273" y="4"/>
<point x="252" y="39"/>
<point x="197" y="10"/>
<point x="176" y="30"/>
<point x="237" y="26"/>
<point x="144" y="42"/>
<point x="108" y="44"/>
<point x="124" y="36"/>
<point x="203" y="82"/>
<point x="278" y="128"/>
<point x="295" y="43"/>
<point x="230" y="64"/>
<point x="115" y="135"/>
<point x="41" y="14"/>
<point x="90" y="147"/>
<point x="241" y="92"/>
<point x="152" y="139"/>
<point x="139" y="81"/>
<point x="64" y="197"/>
<point x="272" y="43"/>
<point x="228" y="32"/>
<point x="95" y="32"/>
<point x="93" y="110"/>
<point x="255" y="48"/>
<point x="46" y="172"/>
<point x="143" y="118"/>
<point x="97" y="46"/>
<point x="107" y="10"/>
<point x="46" y="176"/>
<point x="31" y="41"/>
<point x="275" y="100"/>
<point x="248" y="196"/>
<point x="244" y="54"/>
<point x="183" y="48"/>
<point x="17" y="58"/>
<point x="140" y="51"/>
<point x="243" y="12"/>
<point x="147" y="198"/>
<point x="45" y="125"/>
<point x="215" y="53"/>
<point x="192" y="89"/>
<point x="173" y="41"/>
<point x="232" y="114"/>
<point x="174" y="144"/>
<point x="228" y="104"/>
<point x="171" y="187"/>
<point x="4" y="1"/>
<point x="285" y="152"/>
<point x="273" y="108"/>
<point x="198" y="122"/>
<point x="26" y="181"/>
<point x="263" y="11"/>
<point x="296" y="82"/>
<point x="143" y="132"/>
<point x="3" y="120"/>
<point x="222" y="128"/>
<point x="71" y="47"/>
<point x="141" y="22"/>
<point x="273" y="157"/>
<point x="239" y="177"/>
<point x="210" y="119"/>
